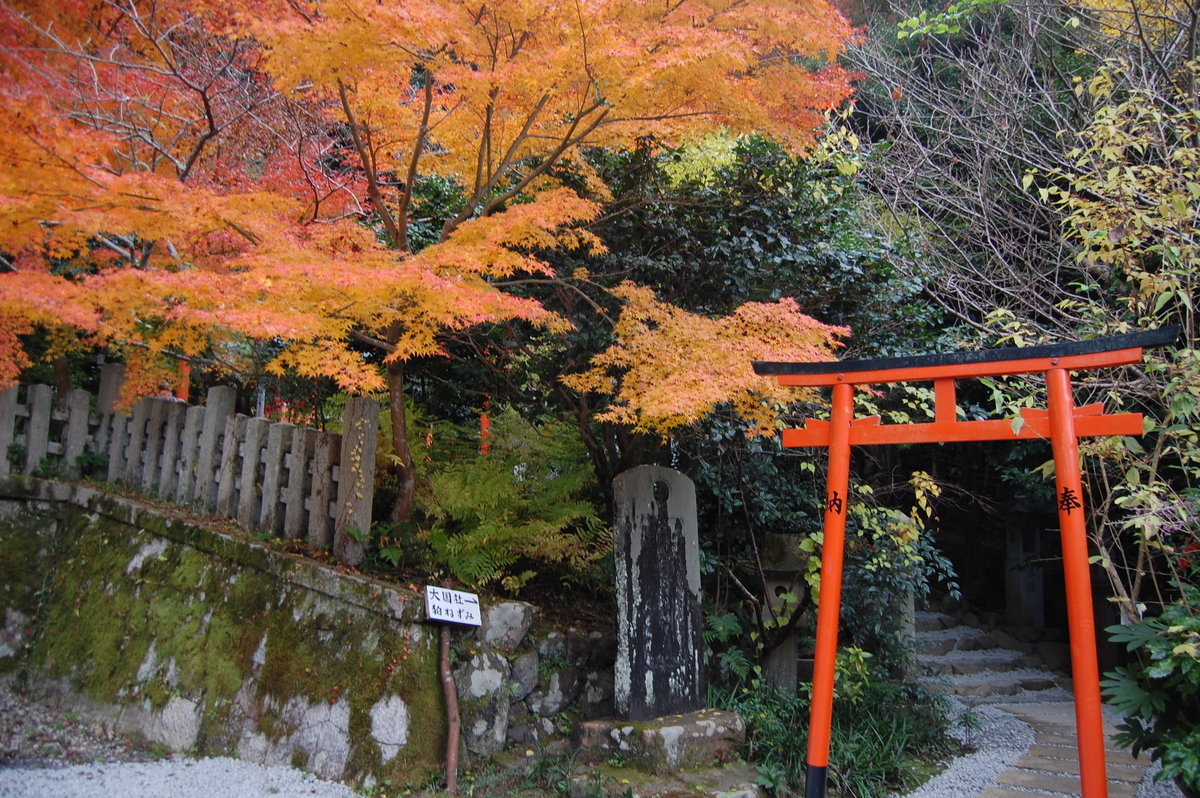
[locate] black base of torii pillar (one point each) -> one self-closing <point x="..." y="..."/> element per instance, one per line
<point x="1062" y="423"/>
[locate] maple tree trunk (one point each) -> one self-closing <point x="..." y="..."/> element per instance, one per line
<point x="406" y="477"/>
<point x="613" y="450"/>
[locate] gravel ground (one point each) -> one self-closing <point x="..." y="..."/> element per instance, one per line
<point x="1001" y="739"/>
<point x="35" y="736"/>
<point x="47" y="754"/>
<point x="179" y="777"/>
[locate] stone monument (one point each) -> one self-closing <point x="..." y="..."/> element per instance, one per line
<point x="661" y="726"/>
<point x="660" y="650"/>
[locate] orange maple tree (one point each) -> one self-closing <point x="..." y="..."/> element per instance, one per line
<point x="132" y="169"/>
<point x="668" y="367"/>
<point x="221" y="172"/>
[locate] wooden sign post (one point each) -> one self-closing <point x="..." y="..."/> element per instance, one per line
<point x="450" y="606"/>
<point x="1062" y="423"/>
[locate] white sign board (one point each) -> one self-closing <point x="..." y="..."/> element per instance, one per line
<point x="451" y="606"/>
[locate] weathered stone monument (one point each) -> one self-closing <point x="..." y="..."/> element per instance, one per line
<point x="660" y="651"/>
<point x="661" y="726"/>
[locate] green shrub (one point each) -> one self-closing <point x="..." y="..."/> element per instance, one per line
<point x="891" y="557"/>
<point x="1159" y="691"/>
<point x="16" y="456"/>
<point x="882" y="731"/>
<point x="90" y="462"/>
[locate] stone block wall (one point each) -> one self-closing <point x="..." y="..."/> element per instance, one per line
<point x="151" y="622"/>
<point x="523" y="683"/>
<point x="214" y="645"/>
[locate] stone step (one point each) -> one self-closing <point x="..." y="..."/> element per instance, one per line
<point x="1051" y="656"/>
<point x="933" y="622"/>
<point x="1055" y="783"/>
<point x="1114" y="757"/>
<point x="1070" y="767"/>
<point x="962" y="638"/>
<point x="995" y="660"/>
<point x="936" y="644"/>
<point x="935" y="647"/>
<point x="999" y="792"/>
<point x="987" y="684"/>
<point x="1112" y="751"/>
<point x="977" y="642"/>
<point x="732" y="780"/>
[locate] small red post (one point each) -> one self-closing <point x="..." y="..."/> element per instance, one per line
<point x="485" y="434"/>
<point x="185" y="377"/>
<point x="837" y="486"/>
<point x="1089" y="720"/>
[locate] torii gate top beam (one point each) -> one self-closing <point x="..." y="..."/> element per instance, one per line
<point x="944" y="370"/>
<point x="1116" y="350"/>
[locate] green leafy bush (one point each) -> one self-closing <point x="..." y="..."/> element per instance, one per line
<point x="890" y="557"/>
<point x="489" y="517"/>
<point x="1159" y="692"/>
<point x="47" y="468"/>
<point x="881" y="733"/>
<point x="16" y="456"/>
<point x="90" y="462"/>
<point x="721" y="635"/>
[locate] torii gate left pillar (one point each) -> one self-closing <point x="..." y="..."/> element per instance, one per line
<point x="1061" y="422"/>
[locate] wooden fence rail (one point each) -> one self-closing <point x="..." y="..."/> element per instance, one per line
<point x="294" y="481"/>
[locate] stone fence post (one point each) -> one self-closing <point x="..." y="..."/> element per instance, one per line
<point x="289" y="480"/>
<point x="356" y="476"/>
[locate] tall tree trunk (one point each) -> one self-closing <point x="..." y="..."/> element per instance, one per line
<point x="406" y="476"/>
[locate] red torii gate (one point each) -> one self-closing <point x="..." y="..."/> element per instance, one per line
<point x="1061" y="422"/>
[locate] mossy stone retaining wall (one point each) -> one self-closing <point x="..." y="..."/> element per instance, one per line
<point x="211" y="644"/>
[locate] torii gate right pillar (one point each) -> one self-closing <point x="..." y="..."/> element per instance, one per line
<point x="1085" y="671"/>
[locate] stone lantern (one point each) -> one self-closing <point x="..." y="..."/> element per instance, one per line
<point x="783" y="565"/>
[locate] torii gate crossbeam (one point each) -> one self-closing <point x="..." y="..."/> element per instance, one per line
<point x="1061" y="422"/>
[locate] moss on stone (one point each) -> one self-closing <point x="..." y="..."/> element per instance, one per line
<point x="25" y="543"/>
<point x="146" y="613"/>
<point x="91" y="632"/>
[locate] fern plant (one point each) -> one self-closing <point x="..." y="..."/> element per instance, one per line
<point x="724" y="629"/>
<point x="495" y="517"/>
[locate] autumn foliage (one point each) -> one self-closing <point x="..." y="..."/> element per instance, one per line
<point x="654" y="394"/>
<point x="181" y="176"/>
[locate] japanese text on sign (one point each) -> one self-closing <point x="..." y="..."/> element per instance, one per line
<point x="451" y="606"/>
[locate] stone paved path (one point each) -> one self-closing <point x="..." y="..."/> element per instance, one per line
<point x="1016" y="678"/>
<point x="1051" y="767"/>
